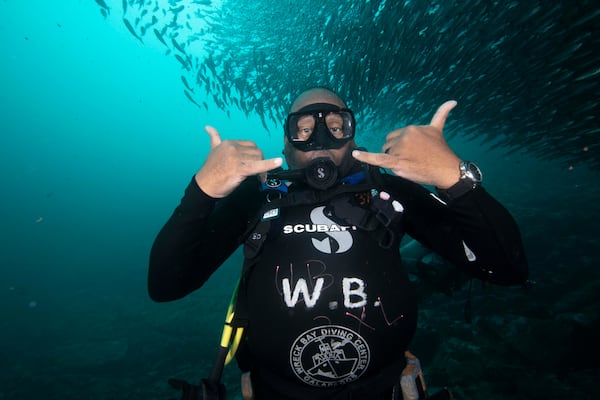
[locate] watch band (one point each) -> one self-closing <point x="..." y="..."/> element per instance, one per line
<point x="470" y="178"/>
<point x="455" y="191"/>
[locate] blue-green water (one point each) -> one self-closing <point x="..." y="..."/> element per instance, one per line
<point x="97" y="143"/>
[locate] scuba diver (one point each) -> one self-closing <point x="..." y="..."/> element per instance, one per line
<point x="324" y="308"/>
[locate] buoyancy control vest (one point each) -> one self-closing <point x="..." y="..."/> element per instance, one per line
<point x="327" y="312"/>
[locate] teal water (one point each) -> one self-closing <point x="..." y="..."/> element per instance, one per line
<point x="97" y="143"/>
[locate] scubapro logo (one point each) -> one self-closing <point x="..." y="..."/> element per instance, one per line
<point x="321" y="172"/>
<point x="328" y="356"/>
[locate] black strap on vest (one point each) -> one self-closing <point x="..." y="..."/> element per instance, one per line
<point x="379" y="219"/>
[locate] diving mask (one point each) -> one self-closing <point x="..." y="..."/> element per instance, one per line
<point x="320" y="126"/>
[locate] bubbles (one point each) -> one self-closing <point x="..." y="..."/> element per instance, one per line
<point x="19" y="295"/>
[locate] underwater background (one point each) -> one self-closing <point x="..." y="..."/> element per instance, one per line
<point x="103" y="105"/>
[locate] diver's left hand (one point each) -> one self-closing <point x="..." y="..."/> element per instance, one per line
<point x="419" y="153"/>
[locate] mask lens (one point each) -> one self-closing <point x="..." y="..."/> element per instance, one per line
<point x="339" y="125"/>
<point x="301" y="127"/>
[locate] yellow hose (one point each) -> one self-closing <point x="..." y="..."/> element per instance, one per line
<point x="230" y="331"/>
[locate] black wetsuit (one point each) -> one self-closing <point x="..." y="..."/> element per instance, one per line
<point x="330" y="309"/>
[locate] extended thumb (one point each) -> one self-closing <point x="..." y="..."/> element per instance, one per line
<point x="215" y="138"/>
<point x="439" y="119"/>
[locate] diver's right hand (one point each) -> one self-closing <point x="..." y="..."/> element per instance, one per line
<point x="229" y="162"/>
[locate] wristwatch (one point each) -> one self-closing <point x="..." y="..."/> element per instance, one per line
<point x="470" y="178"/>
<point x="468" y="170"/>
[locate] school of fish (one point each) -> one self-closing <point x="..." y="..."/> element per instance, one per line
<point x="525" y="73"/>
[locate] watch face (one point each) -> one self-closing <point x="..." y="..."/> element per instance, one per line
<point x="473" y="172"/>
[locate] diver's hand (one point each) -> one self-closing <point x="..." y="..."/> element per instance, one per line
<point x="229" y="162"/>
<point x="419" y="153"/>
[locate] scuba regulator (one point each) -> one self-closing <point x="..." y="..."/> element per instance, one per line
<point x="321" y="174"/>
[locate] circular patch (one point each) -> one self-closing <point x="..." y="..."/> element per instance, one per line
<point x="329" y="355"/>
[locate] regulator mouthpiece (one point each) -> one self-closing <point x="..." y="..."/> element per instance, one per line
<point x="321" y="173"/>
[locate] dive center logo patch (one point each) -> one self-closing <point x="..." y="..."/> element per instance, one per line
<point x="328" y="356"/>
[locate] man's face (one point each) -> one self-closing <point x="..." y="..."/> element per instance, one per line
<point x="296" y="158"/>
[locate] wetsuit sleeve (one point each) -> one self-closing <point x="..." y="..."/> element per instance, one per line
<point x="474" y="232"/>
<point x="199" y="236"/>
